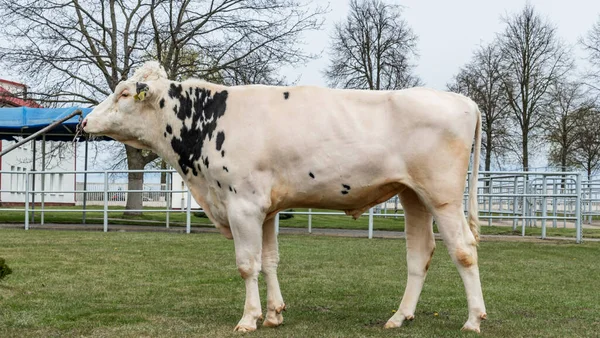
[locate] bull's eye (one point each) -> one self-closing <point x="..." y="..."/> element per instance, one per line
<point x="125" y="94"/>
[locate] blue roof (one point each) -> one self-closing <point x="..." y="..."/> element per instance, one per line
<point x="24" y="121"/>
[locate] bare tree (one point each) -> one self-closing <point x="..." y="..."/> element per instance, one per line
<point x="591" y="44"/>
<point x="482" y="81"/>
<point x="587" y="147"/>
<point x="231" y="41"/>
<point x="533" y="57"/>
<point x="568" y="103"/>
<point x="373" y="49"/>
<point x="77" y="51"/>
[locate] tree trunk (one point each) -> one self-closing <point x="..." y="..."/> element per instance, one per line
<point x="488" y="151"/>
<point x="525" y="153"/>
<point x="163" y="175"/>
<point x="135" y="161"/>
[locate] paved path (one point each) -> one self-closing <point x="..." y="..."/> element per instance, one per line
<point x="294" y="231"/>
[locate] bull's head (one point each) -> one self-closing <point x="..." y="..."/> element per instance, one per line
<point x="129" y="113"/>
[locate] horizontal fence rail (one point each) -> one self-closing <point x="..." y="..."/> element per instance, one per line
<point x="525" y="199"/>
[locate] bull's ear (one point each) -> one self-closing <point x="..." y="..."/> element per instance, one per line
<point x="141" y="90"/>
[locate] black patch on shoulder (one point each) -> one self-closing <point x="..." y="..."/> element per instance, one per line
<point x="165" y="134"/>
<point x="222" y="153"/>
<point x="220" y="140"/>
<point x="219" y="184"/>
<point x="225" y="168"/>
<point x="347" y="187"/>
<point x="204" y="109"/>
<point x="234" y="191"/>
<point x="286" y="95"/>
<point x="344" y="192"/>
<point x="230" y="189"/>
<point x="311" y="175"/>
<point x="162" y="103"/>
<point x="169" y="129"/>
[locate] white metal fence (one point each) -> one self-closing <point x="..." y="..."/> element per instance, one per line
<point x="525" y="199"/>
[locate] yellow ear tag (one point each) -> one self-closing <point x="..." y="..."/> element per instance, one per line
<point x="140" y="96"/>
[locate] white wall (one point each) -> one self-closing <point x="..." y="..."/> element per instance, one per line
<point x="55" y="182"/>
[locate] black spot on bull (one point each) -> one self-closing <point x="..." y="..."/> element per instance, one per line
<point x="199" y="110"/>
<point x="162" y="103"/>
<point x="286" y="95"/>
<point x="311" y="175"/>
<point x="169" y="129"/>
<point x="347" y="187"/>
<point x="220" y="139"/>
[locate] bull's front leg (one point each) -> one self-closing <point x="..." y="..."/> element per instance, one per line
<point x="270" y="260"/>
<point x="246" y="227"/>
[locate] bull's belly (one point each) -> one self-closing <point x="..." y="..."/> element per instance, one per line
<point x="353" y="200"/>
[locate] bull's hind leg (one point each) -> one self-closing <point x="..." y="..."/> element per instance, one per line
<point x="246" y="227"/>
<point x="270" y="260"/>
<point x="420" y="245"/>
<point x="462" y="247"/>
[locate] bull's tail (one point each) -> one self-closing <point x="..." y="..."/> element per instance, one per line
<point x="473" y="202"/>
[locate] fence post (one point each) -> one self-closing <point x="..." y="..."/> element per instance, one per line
<point x="105" y="201"/>
<point x="277" y="224"/>
<point x="554" y="202"/>
<point x="310" y="221"/>
<point x="525" y="205"/>
<point x="515" y="186"/>
<point x="188" y="215"/>
<point x="168" y="197"/>
<point x="544" y="206"/>
<point x="578" y="209"/>
<point x="370" y="223"/>
<point x="27" y="200"/>
<point x="490" y="200"/>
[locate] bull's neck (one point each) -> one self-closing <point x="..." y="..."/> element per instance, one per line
<point x="191" y="112"/>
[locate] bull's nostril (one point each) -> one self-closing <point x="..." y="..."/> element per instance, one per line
<point x="84" y="123"/>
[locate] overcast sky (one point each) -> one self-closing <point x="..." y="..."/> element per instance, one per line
<point x="449" y="32"/>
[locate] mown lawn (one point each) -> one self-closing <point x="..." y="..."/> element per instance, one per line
<point x="177" y="218"/>
<point x="68" y="284"/>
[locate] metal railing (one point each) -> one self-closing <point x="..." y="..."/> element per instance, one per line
<point x="522" y="198"/>
<point x="532" y="197"/>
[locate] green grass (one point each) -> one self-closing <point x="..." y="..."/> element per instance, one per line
<point x="67" y="284"/>
<point x="177" y="218"/>
<point x="95" y="215"/>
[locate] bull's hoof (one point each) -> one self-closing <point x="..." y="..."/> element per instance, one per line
<point x="274" y="317"/>
<point x="391" y="324"/>
<point x="470" y="327"/>
<point x="244" y="328"/>
<point x="397" y="320"/>
<point x="247" y="324"/>
<point x="273" y="321"/>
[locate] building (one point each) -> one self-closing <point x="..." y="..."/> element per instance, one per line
<point x="61" y="158"/>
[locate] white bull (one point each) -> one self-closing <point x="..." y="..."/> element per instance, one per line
<point x="248" y="152"/>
